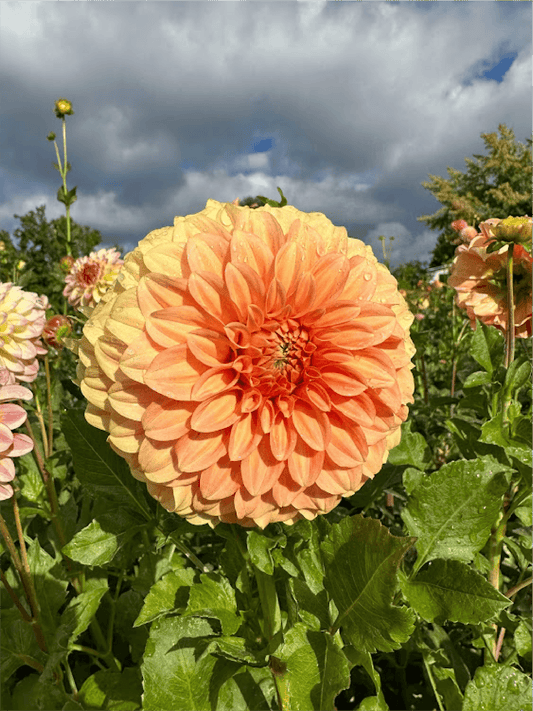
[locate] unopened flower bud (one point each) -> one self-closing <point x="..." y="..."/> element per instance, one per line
<point x="21" y="264"/>
<point x="514" y="229"/>
<point x="419" y="317"/>
<point x="51" y="136"/>
<point x="459" y="225"/>
<point x="63" y="107"/>
<point x="55" y="330"/>
<point x="66" y="263"/>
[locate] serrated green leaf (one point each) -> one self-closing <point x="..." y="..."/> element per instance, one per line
<point x="361" y="563"/>
<point x="411" y="479"/>
<point x="522" y="638"/>
<point x="412" y="451"/>
<point x="50" y="584"/>
<point x="113" y="691"/>
<point x="17" y="644"/>
<point x="312" y="608"/>
<point x="167" y="594"/>
<point x="451" y="512"/>
<point x="236" y="649"/>
<point x="94" y="546"/>
<point x="498" y="688"/>
<point x="450" y="590"/>
<point x="32" y="693"/>
<point x="214" y="597"/>
<point x="81" y="610"/>
<point x="313" y="670"/>
<point x="175" y="668"/>
<point x="99" y="469"/>
<point x="518" y="374"/>
<point x="236" y="687"/>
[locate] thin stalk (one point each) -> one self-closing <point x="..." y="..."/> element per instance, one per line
<point x="112" y="615"/>
<point x="65" y="182"/>
<point x="13" y="595"/>
<point x="510" y="334"/>
<point x="512" y="591"/>
<point x="39" y="415"/>
<point x="433" y="685"/>
<point x="71" y="681"/>
<point x="49" y="404"/>
<point x="187" y="553"/>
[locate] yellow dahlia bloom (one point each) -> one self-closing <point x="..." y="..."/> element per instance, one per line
<point x="22" y="319"/>
<point x="251" y="366"/>
<point x="90" y="277"/>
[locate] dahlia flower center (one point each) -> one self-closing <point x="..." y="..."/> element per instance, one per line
<point x="281" y="356"/>
<point x="89" y="274"/>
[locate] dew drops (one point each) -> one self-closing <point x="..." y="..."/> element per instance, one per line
<point x="367" y="276"/>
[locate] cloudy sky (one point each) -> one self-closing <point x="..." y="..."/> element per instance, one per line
<point x="347" y="106"/>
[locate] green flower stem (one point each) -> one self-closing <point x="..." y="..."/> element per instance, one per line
<point x="49" y="404"/>
<point x="510" y="335"/>
<point x="512" y="591"/>
<point x="433" y="685"/>
<point x="495" y="554"/>
<point x="187" y="553"/>
<point x="27" y="580"/>
<point x="39" y="415"/>
<point x="112" y="614"/>
<point x="65" y="182"/>
<point x="13" y="595"/>
<point x="71" y="681"/>
<point x="269" y="603"/>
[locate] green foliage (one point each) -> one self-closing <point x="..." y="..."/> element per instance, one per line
<point x="494" y="185"/>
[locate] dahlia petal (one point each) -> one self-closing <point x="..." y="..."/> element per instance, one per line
<point x="12" y="415"/>
<point x="129" y="399"/>
<point x="15" y="392"/>
<point x="7" y="469"/>
<point x="246" y="505"/>
<point x="219" y="480"/>
<point x="214" y="381"/>
<point x="6" y="437"/>
<point x="283" y="438"/>
<point x="208" y="254"/>
<point x="347" y="447"/>
<point x="340" y="481"/>
<point x="167" y="259"/>
<point x="305" y="295"/>
<point x="198" y="450"/>
<point x="209" y="292"/>
<point x="217" y="413"/>
<point x="288" y="266"/>
<point x="339" y="313"/>
<point x="108" y="351"/>
<point x="166" y="420"/>
<point x="245" y="288"/>
<point x="285" y="489"/>
<point x="138" y="357"/>
<point x="174" y="372"/>
<point x="266" y="416"/>
<point x="349" y="336"/>
<point x="154" y="456"/>
<point x="330" y="273"/>
<point x="6" y="492"/>
<point x="125" y="436"/>
<point x="244" y="437"/>
<point x="260" y="470"/>
<point x="305" y="464"/>
<point x="250" y="249"/>
<point x="160" y="292"/>
<point x="316" y="394"/>
<point x="312" y="425"/>
<point x="209" y="347"/>
<point x="22" y="444"/>
<point x="374" y="367"/>
<point x="275" y="298"/>
<point x="362" y="280"/>
<point x="359" y="409"/>
<point x="342" y="381"/>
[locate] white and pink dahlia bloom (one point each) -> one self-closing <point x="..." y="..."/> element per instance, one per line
<point x="90" y="277"/>
<point x="12" y="444"/>
<point x="22" y="319"/>
<point x="250" y="365"/>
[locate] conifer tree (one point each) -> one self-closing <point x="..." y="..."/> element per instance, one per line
<point x="494" y="185"/>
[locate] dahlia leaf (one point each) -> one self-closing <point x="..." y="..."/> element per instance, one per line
<point x="452" y="511"/>
<point x="169" y="593"/>
<point x="77" y="617"/>
<point x="311" y="669"/>
<point x="361" y="562"/>
<point x="17" y="643"/>
<point x="176" y="669"/>
<point x="50" y="588"/>
<point x="259" y="547"/>
<point x="236" y="649"/>
<point x="412" y="450"/>
<point x="450" y="590"/>
<point x="480" y="348"/>
<point x="312" y="608"/>
<point x="214" y="597"/>
<point x="99" y="469"/>
<point x="114" y="690"/>
<point x="94" y="546"/>
<point x="498" y="688"/>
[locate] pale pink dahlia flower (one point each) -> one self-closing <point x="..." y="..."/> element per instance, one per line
<point x="251" y="365"/>
<point x="90" y="277"/>
<point x="22" y="319"/>
<point x="12" y="444"/>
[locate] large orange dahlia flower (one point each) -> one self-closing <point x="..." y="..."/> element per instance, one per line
<point x="251" y="366"/>
<point x="479" y="279"/>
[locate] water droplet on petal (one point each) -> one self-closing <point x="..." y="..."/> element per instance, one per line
<point x="367" y="276"/>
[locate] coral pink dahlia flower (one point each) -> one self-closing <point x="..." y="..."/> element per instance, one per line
<point x="22" y="319"/>
<point x="90" y="277"/>
<point x="11" y="444"/>
<point x="479" y="279"/>
<point x="251" y="366"/>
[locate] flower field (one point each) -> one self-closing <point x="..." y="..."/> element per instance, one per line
<point x="246" y="467"/>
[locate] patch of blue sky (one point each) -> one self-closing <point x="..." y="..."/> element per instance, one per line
<point x="493" y="69"/>
<point x="262" y="145"/>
